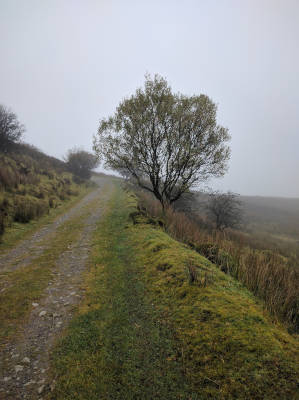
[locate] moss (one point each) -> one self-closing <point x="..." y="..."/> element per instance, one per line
<point x="232" y="350"/>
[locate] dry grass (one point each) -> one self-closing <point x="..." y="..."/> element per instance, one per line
<point x="266" y="274"/>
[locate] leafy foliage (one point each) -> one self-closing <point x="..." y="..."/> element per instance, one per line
<point x="167" y="142"/>
<point x="11" y="129"/>
<point x="224" y="209"/>
<point x="81" y="163"/>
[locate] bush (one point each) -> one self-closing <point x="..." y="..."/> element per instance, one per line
<point x="28" y="208"/>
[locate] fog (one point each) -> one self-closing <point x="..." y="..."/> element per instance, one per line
<point x="66" y="64"/>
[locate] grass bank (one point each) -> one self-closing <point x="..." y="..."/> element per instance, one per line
<point x="159" y="321"/>
<point x="267" y="274"/>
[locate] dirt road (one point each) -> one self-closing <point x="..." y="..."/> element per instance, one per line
<point x="24" y="361"/>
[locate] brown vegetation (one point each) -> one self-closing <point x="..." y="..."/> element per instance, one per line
<point x="266" y="273"/>
<point x="31" y="183"/>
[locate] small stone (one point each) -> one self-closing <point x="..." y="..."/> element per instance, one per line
<point x="42" y="313"/>
<point x="43" y="371"/>
<point x="35" y="305"/>
<point x="30" y="383"/>
<point x="6" y="378"/>
<point x="40" y="389"/>
<point x="15" y="355"/>
<point x="41" y="381"/>
<point x="26" y="360"/>
<point x="19" y="368"/>
<point x="73" y="293"/>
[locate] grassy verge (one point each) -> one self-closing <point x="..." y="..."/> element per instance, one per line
<point x="26" y="285"/>
<point x="161" y="322"/>
<point x="19" y="231"/>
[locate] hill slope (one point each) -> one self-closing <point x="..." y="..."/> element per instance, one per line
<point x="31" y="183"/>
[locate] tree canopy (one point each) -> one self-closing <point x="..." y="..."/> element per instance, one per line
<point x="225" y="210"/>
<point x="11" y="129"/>
<point x="81" y="163"/>
<point x="167" y="142"/>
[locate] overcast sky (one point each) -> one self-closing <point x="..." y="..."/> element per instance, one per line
<point x="64" y="64"/>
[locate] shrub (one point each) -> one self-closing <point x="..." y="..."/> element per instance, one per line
<point x="28" y="208"/>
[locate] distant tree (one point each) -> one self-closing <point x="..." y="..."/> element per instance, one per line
<point x="167" y="142"/>
<point x="11" y="129"/>
<point x="81" y="163"/>
<point x="224" y="210"/>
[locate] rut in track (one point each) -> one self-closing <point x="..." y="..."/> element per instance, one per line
<point x="25" y="362"/>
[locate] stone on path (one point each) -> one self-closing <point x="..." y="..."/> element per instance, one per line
<point x="19" y="368"/>
<point x="42" y="313"/>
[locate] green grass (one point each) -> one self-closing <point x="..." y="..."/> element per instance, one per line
<point x="118" y="347"/>
<point x="145" y="332"/>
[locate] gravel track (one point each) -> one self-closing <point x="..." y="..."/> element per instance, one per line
<point x="24" y="363"/>
<point x="18" y="256"/>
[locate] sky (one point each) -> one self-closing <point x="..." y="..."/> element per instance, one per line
<point x="65" y="64"/>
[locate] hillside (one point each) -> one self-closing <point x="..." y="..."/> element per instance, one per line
<point x="268" y="222"/>
<point x="274" y="215"/>
<point x="31" y="184"/>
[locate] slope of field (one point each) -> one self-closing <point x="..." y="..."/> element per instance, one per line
<point x="159" y="321"/>
<point x="31" y="184"/>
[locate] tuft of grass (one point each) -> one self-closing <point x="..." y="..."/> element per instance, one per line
<point x="145" y="331"/>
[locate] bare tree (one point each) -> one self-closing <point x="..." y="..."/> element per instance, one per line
<point x="81" y="162"/>
<point x="11" y="129"/>
<point x="224" y="210"/>
<point x="168" y="142"/>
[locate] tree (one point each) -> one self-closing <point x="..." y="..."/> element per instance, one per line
<point x="81" y="163"/>
<point x="224" y="210"/>
<point x="11" y="129"/>
<point x="168" y="142"/>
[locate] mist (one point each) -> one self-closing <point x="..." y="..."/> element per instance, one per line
<point x="67" y="64"/>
